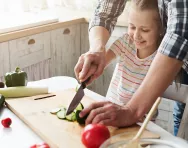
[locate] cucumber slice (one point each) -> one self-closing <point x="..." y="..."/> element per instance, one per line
<point x="80" y="120"/>
<point x="74" y="116"/>
<point x="63" y="108"/>
<point x="71" y="117"/>
<point x="55" y="110"/>
<point x="80" y="106"/>
<point x="61" y="114"/>
<point x="76" y="89"/>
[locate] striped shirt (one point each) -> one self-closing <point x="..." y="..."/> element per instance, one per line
<point x="174" y="16"/>
<point x="129" y="73"/>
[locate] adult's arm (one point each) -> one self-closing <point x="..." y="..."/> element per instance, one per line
<point x="100" y="28"/>
<point x="103" y="22"/>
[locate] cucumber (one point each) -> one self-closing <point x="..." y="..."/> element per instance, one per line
<point x="2" y="100"/>
<point x="55" y="110"/>
<point x="76" y="89"/>
<point x="80" y="106"/>
<point x="80" y="120"/>
<point x="71" y="117"/>
<point x="61" y="114"/>
<point x="74" y="116"/>
<point x="63" y="108"/>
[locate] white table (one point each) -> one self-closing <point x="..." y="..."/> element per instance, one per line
<point x="20" y="136"/>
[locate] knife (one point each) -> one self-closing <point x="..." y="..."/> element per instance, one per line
<point x="77" y="98"/>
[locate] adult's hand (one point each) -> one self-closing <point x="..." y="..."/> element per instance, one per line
<point x="90" y="64"/>
<point x="109" y="114"/>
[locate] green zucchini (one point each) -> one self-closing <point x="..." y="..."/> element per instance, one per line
<point x="2" y="100"/>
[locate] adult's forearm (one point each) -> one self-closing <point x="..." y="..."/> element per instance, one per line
<point x="161" y="73"/>
<point x="98" y="37"/>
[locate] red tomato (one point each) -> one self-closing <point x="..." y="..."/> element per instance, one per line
<point x="94" y="135"/>
<point x="6" y="122"/>
<point x="42" y="145"/>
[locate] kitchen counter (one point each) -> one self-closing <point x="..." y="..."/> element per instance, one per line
<point x="66" y="16"/>
<point x="19" y="135"/>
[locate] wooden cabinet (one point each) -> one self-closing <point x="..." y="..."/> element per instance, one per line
<point x="65" y="50"/>
<point x="52" y="53"/>
<point x="4" y="59"/>
<point x="29" y="50"/>
<point x="32" y="54"/>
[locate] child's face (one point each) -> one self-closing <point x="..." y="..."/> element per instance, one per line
<point x="144" y="28"/>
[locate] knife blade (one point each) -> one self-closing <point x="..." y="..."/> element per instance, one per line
<point x="77" y="98"/>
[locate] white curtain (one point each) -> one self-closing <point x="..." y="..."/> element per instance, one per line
<point x="27" y="5"/>
<point x="17" y="6"/>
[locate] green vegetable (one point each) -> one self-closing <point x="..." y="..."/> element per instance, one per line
<point x="61" y="113"/>
<point x="76" y="89"/>
<point x="71" y="117"/>
<point x="2" y="85"/>
<point x="16" y="78"/>
<point x="55" y="110"/>
<point x="80" y="120"/>
<point x="80" y="106"/>
<point x="74" y="116"/>
<point x="22" y="91"/>
<point x="2" y="100"/>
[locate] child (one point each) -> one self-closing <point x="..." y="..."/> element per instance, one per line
<point x="135" y="50"/>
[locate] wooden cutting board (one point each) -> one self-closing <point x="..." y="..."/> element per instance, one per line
<point x="56" y="132"/>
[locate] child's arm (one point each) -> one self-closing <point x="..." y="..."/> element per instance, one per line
<point x="116" y="49"/>
<point x="109" y="57"/>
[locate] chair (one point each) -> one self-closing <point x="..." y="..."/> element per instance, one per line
<point x="181" y="95"/>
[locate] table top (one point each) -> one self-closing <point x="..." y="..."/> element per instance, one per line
<point x="19" y="135"/>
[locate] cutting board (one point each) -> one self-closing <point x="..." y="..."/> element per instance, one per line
<point x="56" y="132"/>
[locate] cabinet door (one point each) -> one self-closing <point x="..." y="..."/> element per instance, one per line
<point x="4" y="60"/>
<point x="65" y="50"/>
<point x="29" y="50"/>
<point x="32" y="54"/>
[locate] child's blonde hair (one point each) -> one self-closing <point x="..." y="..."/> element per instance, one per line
<point x="146" y="4"/>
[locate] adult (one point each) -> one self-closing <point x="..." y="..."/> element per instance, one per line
<point x="171" y="57"/>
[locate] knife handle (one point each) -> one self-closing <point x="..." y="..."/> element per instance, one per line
<point x="85" y="82"/>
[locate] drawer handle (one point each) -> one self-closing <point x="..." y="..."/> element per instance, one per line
<point x="66" y="31"/>
<point x="31" y="41"/>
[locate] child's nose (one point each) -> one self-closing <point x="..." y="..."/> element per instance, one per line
<point x="137" y="35"/>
